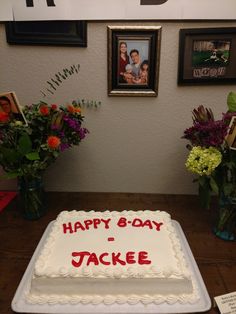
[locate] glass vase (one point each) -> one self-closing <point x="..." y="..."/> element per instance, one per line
<point x="31" y="197"/>
<point x="225" y="220"/>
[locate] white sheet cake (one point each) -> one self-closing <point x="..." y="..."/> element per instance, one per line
<point x="111" y="256"/>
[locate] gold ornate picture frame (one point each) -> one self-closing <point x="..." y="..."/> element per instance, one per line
<point x="133" y="60"/>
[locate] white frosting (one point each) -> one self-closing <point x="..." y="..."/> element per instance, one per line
<point x="165" y="279"/>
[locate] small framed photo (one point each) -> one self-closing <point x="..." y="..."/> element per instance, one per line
<point x="133" y="60"/>
<point x="10" y="105"/>
<point x="207" y="56"/>
<point x="231" y="135"/>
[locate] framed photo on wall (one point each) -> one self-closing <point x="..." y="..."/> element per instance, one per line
<point x="57" y="33"/>
<point x="133" y="60"/>
<point x="207" y="56"/>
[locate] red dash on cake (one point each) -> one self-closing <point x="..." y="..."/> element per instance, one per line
<point x="110" y="239"/>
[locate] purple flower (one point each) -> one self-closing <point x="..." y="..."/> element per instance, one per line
<point x="64" y="146"/>
<point x="54" y="127"/>
<point x="210" y="133"/>
<point x="82" y="133"/>
<point x="76" y="126"/>
<point x="72" y="123"/>
<point x="227" y="117"/>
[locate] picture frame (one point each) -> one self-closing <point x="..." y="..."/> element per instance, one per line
<point x="11" y="106"/>
<point x="57" y="33"/>
<point x="133" y="60"/>
<point x="207" y="56"/>
<point x="231" y="135"/>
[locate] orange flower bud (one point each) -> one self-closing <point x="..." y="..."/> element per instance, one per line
<point x="54" y="107"/>
<point x="71" y="108"/>
<point x="77" y="110"/>
<point x="44" y="110"/>
<point x="53" y="142"/>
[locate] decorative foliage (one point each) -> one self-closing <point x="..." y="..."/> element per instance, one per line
<point x="54" y="82"/>
<point x="210" y="156"/>
<point x="27" y="150"/>
<point x="87" y="103"/>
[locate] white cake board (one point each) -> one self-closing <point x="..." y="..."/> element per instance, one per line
<point x="19" y="304"/>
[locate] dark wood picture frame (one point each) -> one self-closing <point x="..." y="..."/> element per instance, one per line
<point x="58" y="33"/>
<point x="146" y="40"/>
<point x="207" y="56"/>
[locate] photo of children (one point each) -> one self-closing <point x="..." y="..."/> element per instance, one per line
<point x="10" y="107"/>
<point x="133" y="62"/>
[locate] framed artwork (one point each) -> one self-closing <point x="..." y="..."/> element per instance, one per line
<point x="59" y="33"/>
<point x="9" y="105"/>
<point x="133" y="60"/>
<point x="207" y="55"/>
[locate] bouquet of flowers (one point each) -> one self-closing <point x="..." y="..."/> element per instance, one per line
<point x="212" y="157"/>
<point x="26" y="149"/>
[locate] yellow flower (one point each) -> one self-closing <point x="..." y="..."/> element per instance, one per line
<point x="18" y="123"/>
<point x="203" y="161"/>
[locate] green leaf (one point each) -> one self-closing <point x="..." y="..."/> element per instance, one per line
<point x="9" y="155"/>
<point x="12" y="175"/>
<point x="214" y="185"/>
<point x="205" y="196"/>
<point x="33" y="156"/>
<point x="25" y="144"/>
<point x="230" y="165"/>
<point x="231" y="101"/>
<point x="203" y="181"/>
<point x="228" y="189"/>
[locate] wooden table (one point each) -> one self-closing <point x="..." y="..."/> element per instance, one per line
<point x="216" y="258"/>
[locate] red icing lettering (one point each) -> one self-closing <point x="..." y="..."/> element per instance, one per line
<point x="78" y="225"/>
<point x="101" y="260"/>
<point x="158" y="225"/>
<point x="92" y="259"/>
<point x="106" y="222"/>
<point x="88" y="223"/>
<point x="107" y="259"/>
<point x="116" y="259"/>
<point x="111" y="239"/>
<point x="147" y="223"/>
<point x="122" y="222"/>
<point x="96" y="222"/>
<point x="130" y="258"/>
<point x="67" y="227"/>
<point x="137" y="222"/>
<point x="142" y="258"/>
<point x="81" y="256"/>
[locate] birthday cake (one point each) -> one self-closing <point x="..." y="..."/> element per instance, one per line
<point x="112" y="257"/>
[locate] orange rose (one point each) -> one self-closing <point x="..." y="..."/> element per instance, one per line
<point x="53" y="142"/>
<point x="44" y="110"/>
<point x="71" y="108"/>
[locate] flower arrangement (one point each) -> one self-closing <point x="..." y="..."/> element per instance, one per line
<point x="26" y="150"/>
<point x="212" y="158"/>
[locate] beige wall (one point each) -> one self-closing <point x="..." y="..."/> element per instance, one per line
<point x="134" y="143"/>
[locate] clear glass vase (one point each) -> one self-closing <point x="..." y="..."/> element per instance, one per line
<point x="31" y="197"/>
<point x="225" y="219"/>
